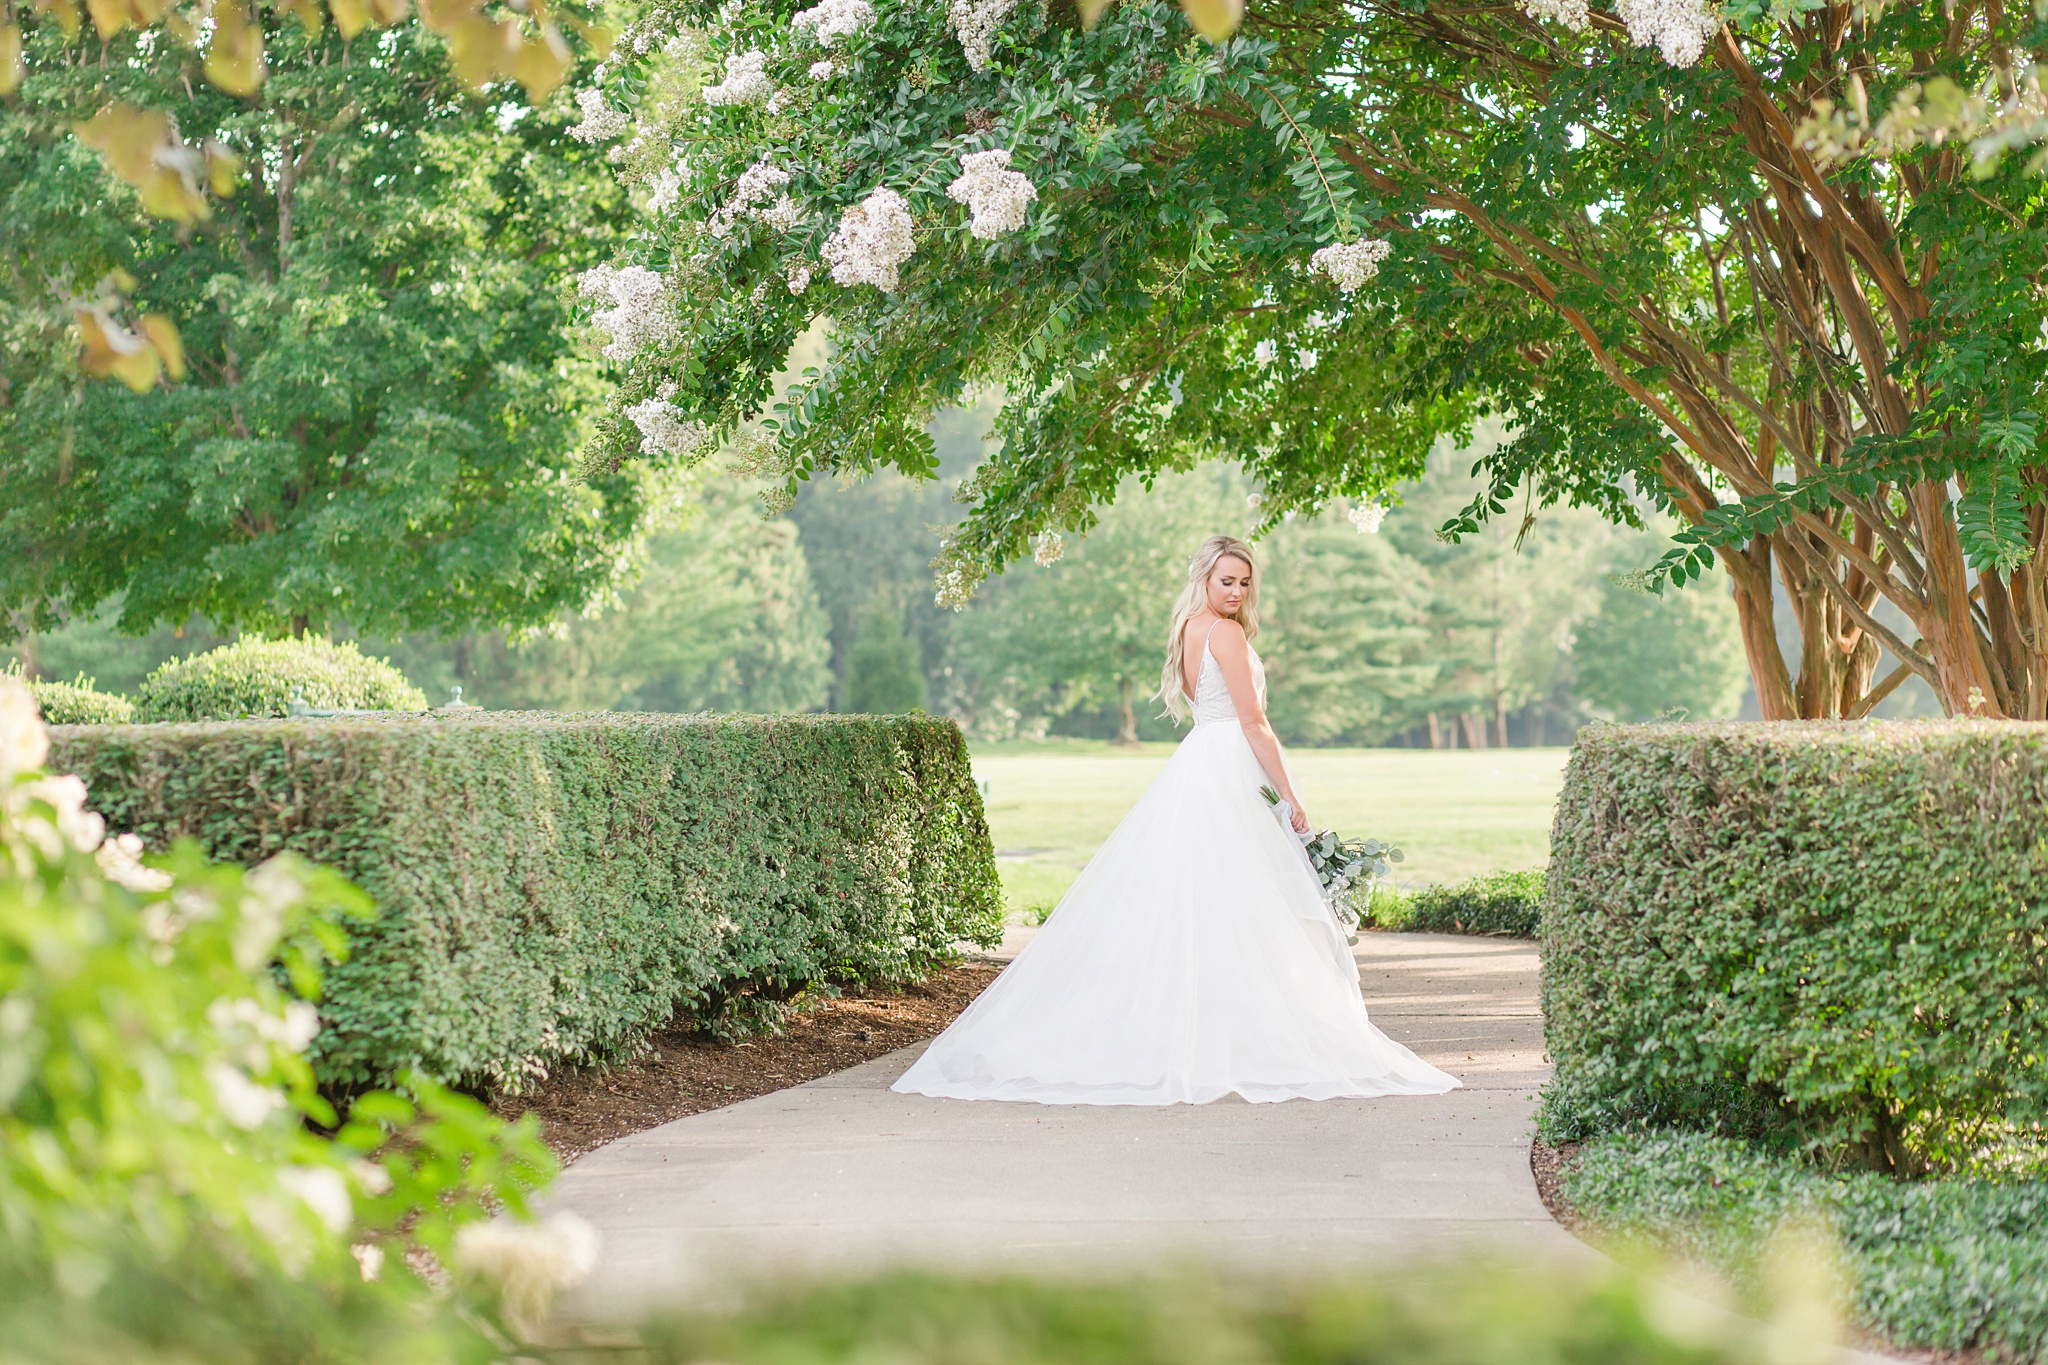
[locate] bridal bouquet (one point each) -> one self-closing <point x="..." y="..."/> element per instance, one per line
<point x="1341" y="863"/>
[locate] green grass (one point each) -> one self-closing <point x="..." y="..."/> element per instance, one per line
<point x="1455" y="813"/>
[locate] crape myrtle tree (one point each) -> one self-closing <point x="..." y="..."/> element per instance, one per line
<point x="1681" y="250"/>
<point x="383" y="383"/>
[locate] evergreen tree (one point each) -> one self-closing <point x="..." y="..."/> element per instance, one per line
<point x="1640" y="657"/>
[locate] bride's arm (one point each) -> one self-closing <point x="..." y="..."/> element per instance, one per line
<point x="1234" y="657"/>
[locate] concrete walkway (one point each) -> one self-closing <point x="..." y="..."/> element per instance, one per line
<point x="841" y="1174"/>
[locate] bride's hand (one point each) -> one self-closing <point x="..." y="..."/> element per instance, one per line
<point x="1299" y="820"/>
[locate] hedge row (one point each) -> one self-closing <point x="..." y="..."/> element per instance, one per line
<point x="556" y="887"/>
<point x="79" y="703"/>
<point x="1502" y="904"/>
<point x="1834" y="934"/>
<point x="254" y="677"/>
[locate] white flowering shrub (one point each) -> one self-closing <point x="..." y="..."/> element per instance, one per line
<point x="833" y="20"/>
<point x="1349" y="265"/>
<point x="997" y="196"/>
<point x="155" y="1096"/>
<point x="872" y="242"/>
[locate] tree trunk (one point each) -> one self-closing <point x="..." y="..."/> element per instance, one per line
<point x="301" y="625"/>
<point x="1756" y="612"/>
<point x="1500" y="721"/>
<point x="1436" y="731"/>
<point x="1127" y="714"/>
<point x="1536" y="735"/>
<point x="1474" y="729"/>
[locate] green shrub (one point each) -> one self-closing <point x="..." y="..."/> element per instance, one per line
<point x="79" y="703"/>
<point x="1506" y="904"/>
<point x="1837" y="932"/>
<point x="1951" y="1264"/>
<point x="162" y="1195"/>
<point x="556" y="887"/>
<point x="255" y="678"/>
<point x="1467" y="1314"/>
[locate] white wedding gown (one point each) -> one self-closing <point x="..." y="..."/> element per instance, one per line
<point x="1194" y="957"/>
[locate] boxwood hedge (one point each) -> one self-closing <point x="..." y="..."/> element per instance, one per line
<point x="254" y="677"/>
<point x="80" y="703"/>
<point x="554" y="887"/>
<point x="1833" y="934"/>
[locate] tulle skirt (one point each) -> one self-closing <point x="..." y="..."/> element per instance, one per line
<point x="1194" y="958"/>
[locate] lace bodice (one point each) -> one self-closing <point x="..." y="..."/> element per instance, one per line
<point x="1212" y="695"/>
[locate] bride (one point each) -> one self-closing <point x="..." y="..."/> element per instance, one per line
<point x="1195" y="956"/>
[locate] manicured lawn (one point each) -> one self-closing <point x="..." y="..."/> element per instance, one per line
<point x="1455" y="813"/>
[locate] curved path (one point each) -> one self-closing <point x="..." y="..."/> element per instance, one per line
<point x="842" y="1174"/>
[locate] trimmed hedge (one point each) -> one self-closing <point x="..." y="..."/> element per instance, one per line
<point x="254" y="677"/>
<point x="80" y="703"/>
<point x="1833" y="934"/>
<point x="555" y="887"/>
<point x="1501" y="904"/>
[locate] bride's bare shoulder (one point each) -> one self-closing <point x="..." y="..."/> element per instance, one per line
<point x="1227" y="639"/>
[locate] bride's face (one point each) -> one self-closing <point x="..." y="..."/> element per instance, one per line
<point x="1229" y="581"/>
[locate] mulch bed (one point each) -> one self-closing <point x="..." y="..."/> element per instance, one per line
<point x="1548" y="1164"/>
<point x="687" y="1072"/>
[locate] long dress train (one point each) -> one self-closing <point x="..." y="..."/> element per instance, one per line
<point x="1194" y="957"/>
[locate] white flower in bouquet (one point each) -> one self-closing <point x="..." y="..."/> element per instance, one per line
<point x="833" y="20"/>
<point x="1349" y="265"/>
<point x="997" y="196"/>
<point x="745" y="81"/>
<point x="872" y="241"/>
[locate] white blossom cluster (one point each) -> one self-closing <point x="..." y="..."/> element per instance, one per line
<point x="1349" y="264"/>
<point x="601" y="122"/>
<point x="833" y="20"/>
<point x="1047" y="547"/>
<point x="639" y="314"/>
<point x="745" y="81"/>
<point x="799" y="279"/>
<point x="997" y="196"/>
<point x="873" y="239"/>
<point x="823" y="70"/>
<point x="1680" y="29"/>
<point x="974" y="23"/>
<point x="754" y="196"/>
<point x="1571" y="13"/>
<point x="664" y="190"/>
<point x="1367" y="517"/>
<point x="664" y="431"/>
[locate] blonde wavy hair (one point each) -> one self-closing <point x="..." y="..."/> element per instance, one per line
<point x="1192" y="599"/>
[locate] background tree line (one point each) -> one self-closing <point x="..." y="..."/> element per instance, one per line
<point x="1394" y="637"/>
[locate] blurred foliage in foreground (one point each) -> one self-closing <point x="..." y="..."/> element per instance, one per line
<point x="1949" y="1264"/>
<point x="172" y="1185"/>
<point x="1476" y="1314"/>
